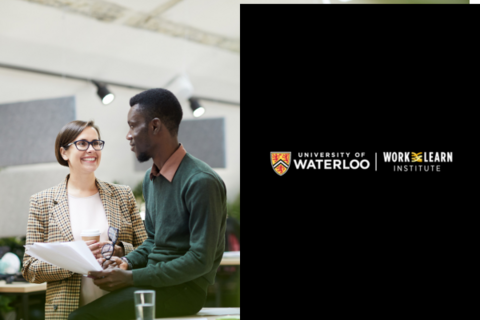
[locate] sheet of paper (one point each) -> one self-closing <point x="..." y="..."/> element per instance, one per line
<point x="73" y="256"/>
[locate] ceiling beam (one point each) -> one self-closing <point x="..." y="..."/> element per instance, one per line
<point x="124" y="85"/>
<point x="112" y="13"/>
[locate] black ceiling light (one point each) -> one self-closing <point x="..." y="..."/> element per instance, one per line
<point x="197" y="109"/>
<point x="102" y="91"/>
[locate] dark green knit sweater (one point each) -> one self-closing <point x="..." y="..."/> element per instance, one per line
<point x="185" y="223"/>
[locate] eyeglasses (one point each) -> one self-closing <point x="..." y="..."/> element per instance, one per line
<point x="109" y="248"/>
<point x="83" y="145"/>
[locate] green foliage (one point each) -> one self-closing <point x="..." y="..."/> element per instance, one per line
<point x="5" y="302"/>
<point x="16" y="245"/>
<point x="233" y="208"/>
<point x="12" y="242"/>
<point x="138" y="190"/>
<point x="237" y="293"/>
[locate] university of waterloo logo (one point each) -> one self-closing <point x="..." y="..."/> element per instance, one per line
<point x="280" y="162"/>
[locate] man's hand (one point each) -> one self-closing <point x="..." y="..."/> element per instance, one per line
<point x="112" y="278"/>
<point x="114" y="262"/>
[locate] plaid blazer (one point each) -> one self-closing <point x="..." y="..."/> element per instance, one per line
<point x="49" y="221"/>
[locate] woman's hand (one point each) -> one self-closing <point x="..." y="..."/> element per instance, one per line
<point x="114" y="262"/>
<point x="119" y="252"/>
<point x="95" y="247"/>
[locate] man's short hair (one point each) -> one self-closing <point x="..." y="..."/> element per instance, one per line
<point x="160" y="103"/>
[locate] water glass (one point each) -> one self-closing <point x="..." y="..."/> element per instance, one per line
<point x="145" y="304"/>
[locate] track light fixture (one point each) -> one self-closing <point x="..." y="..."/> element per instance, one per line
<point x="105" y="95"/>
<point x="197" y="109"/>
<point x="182" y="88"/>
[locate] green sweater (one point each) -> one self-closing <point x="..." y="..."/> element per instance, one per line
<point x="185" y="224"/>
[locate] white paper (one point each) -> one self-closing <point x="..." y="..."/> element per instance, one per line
<point x="73" y="256"/>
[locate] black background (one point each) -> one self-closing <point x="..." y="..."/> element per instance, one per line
<point x="346" y="78"/>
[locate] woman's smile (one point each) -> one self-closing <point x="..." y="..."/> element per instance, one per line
<point x="89" y="159"/>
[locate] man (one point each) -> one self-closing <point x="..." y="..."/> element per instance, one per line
<point x="185" y="203"/>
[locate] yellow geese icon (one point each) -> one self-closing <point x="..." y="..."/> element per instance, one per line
<point x="416" y="157"/>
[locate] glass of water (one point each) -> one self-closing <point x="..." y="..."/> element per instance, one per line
<point x="144" y="304"/>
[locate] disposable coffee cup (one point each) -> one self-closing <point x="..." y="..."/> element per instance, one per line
<point x="90" y="234"/>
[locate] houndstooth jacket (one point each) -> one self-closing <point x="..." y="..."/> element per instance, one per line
<point x="49" y="221"/>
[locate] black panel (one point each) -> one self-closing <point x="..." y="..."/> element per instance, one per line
<point x="28" y="129"/>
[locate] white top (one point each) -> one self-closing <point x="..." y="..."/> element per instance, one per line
<point x="88" y="213"/>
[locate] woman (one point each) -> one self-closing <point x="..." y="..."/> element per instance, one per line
<point x="80" y="202"/>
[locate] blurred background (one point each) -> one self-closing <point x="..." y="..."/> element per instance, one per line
<point x="56" y="56"/>
<point x="63" y="60"/>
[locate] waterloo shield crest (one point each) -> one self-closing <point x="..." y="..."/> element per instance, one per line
<point x="280" y="162"/>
